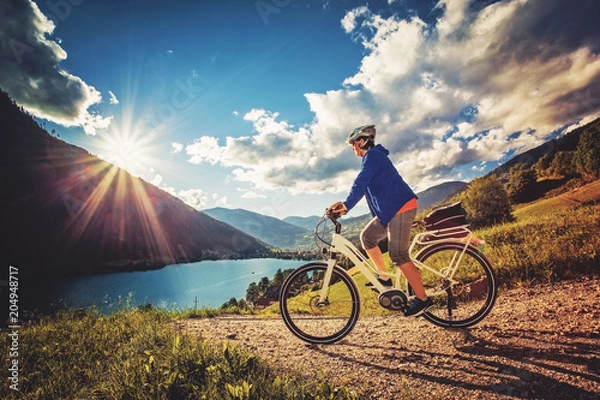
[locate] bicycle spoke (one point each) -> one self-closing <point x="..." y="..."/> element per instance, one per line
<point x="309" y="318"/>
<point x="468" y="295"/>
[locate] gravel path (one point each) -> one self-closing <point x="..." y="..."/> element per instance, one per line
<point x="541" y="342"/>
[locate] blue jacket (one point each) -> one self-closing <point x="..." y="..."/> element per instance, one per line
<point x="379" y="180"/>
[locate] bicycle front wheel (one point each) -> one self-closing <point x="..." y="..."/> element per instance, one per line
<point x="468" y="296"/>
<point x="314" y="321"/>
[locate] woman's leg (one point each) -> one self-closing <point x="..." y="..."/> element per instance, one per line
<point x="399" y="242"/>
<point x="376" y="256"/>
<point x="370" y="236"/>
<point x="413" y="277"/>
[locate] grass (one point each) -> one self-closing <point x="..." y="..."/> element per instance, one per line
<point x="137" y="354"/>
<point x="545" y="248"/>
<point x="551" y="240"/>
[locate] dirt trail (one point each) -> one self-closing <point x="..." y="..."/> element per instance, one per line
<point x="541" y="342"/>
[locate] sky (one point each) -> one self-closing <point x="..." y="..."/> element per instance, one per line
<point x="247" y="104"/>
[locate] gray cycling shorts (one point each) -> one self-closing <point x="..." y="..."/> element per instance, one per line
<point x="397" y="232"/>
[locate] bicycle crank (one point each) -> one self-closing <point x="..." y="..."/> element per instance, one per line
<point x="393" y="300"/>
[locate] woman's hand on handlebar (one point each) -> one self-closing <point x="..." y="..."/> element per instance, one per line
<point x="337" y="209"/>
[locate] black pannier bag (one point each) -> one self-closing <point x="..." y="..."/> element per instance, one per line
<point x="450" y="216"/>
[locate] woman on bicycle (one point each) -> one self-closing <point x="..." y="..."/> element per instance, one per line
<point x="393" y="205"/>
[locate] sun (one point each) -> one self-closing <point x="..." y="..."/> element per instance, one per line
<point x="127" y="150"/>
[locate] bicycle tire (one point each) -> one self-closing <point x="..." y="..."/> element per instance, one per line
<point x="466" y="303"/>
<point x="319" y="323"/>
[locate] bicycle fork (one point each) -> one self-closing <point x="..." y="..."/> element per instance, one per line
<point x="323" y="300"/>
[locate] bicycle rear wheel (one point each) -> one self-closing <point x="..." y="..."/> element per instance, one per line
<point x="467" y="302"/>
<point x="305" y="317"/>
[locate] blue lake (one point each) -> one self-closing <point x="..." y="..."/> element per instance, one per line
<point x="175" y="287"/>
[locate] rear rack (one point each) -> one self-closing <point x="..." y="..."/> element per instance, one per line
<point x="462" y="232"/>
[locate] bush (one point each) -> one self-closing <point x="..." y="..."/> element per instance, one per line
<point x="486" y="202"/>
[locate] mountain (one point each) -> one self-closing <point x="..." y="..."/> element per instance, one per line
<point x="297" y="232"/>
<point x="307" y="223"/>
<point x="439" y="193"/>
<point x="566" y="142"/>
<point x="273" y="231"/>
<point x="64" y="211"/>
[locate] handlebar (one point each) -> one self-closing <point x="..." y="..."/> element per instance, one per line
<point x="333" y="217"/>
<point x="321" y="237"/>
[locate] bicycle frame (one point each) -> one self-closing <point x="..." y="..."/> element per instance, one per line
<point x="339" y="244"/>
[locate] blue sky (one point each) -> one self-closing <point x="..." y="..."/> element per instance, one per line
<point x="246" y="104"/>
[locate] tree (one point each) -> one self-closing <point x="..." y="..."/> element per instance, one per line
<point x="264" y="284"/>
<point x="278" y="278"/>
<point x="229" y="304"/>
<point x="562" y="164"/>
<point x="486" y="202"/>
<point x="587" y="153"/>
<point x="521" y="182"/>
<point x="252" y="293"/>
<point x="542" y="166"/>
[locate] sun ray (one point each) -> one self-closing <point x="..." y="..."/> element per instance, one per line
<point x="83" y="217"/>
<point x="112" y="212"/>
<point x="152" y="229"/>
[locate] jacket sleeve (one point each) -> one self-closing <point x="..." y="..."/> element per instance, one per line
<point x="359" y="187"/>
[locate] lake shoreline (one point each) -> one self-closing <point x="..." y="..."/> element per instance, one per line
<point x="183" y="286"/>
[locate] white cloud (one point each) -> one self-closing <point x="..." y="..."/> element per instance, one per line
<point x="113" y="98"/>
<point x="199" y="199"/>
<point x="276" y="156"/>
<point x="219" y="201"/>
<point x="92" y="123"/>
<point x="448" y="98"/>
<point x="31" y="74"/>
<point x="176" y="147"/>
<point x="195" y="198"/>
<point x="394" y="53"/>
<point x="156" y="180"/>
<point x="253" y="195"/>
<point x="349" y="22"/>
<point x="205" y="149"/>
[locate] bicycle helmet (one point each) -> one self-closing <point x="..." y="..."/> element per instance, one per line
<point x="365" y="131"/>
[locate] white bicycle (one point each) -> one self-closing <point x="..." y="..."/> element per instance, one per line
<point x="320" y="301"/>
